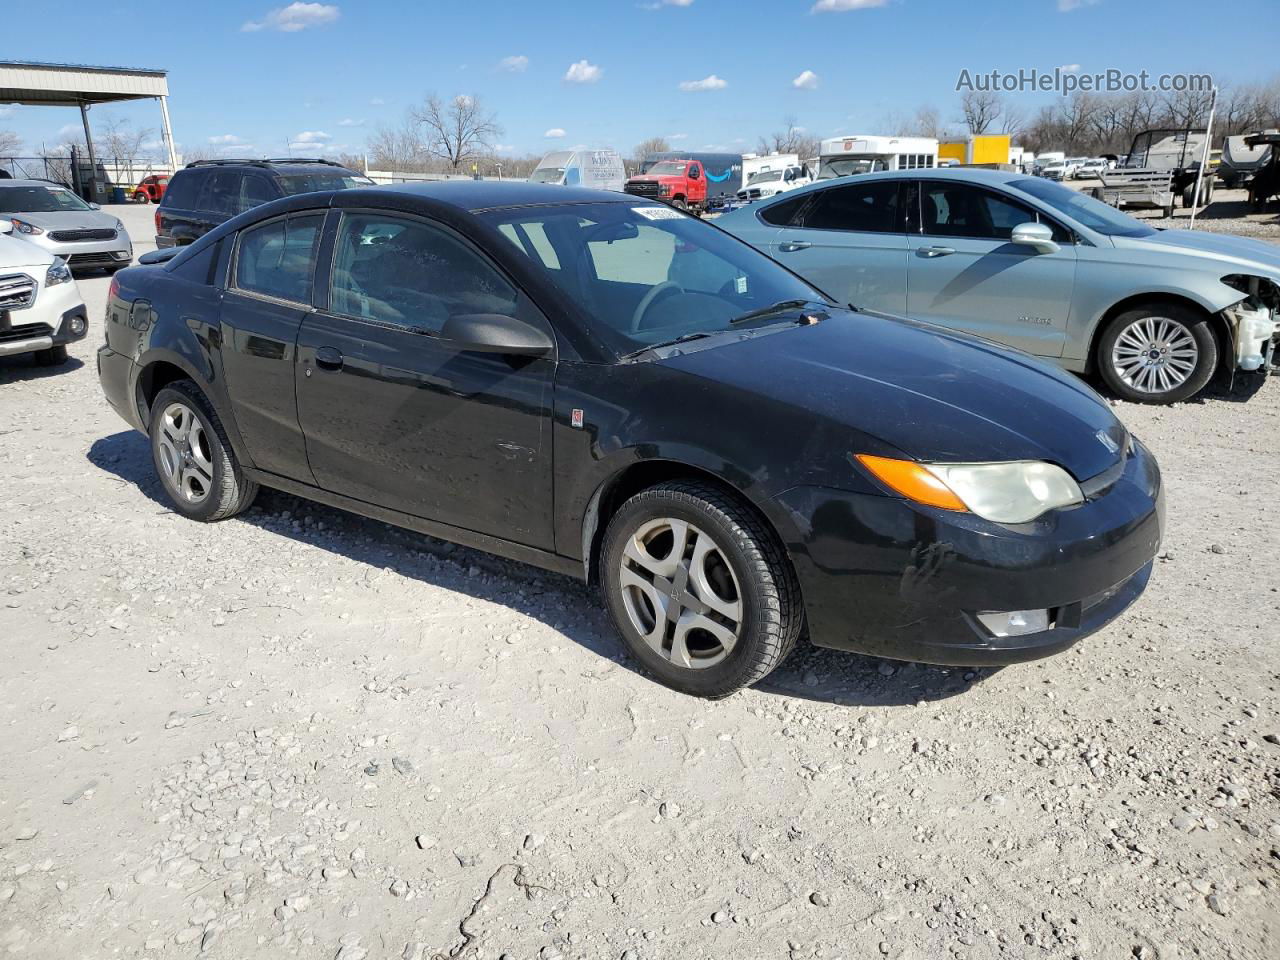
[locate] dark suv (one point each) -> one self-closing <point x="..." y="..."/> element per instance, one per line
<point x="206" y="193"/>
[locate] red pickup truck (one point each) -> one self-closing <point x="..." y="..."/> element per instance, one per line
<point x="681" y="183"/>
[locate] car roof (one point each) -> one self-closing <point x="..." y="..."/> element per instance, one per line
<point x="476" y="195"/>
<point x="966" y="174"/>
<point x="285" y="166"/>
<point x="31" y="183"/>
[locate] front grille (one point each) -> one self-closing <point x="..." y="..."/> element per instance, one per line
<point x="90" y="259"/>
<point x="17" y="290"/>
<point x="77" y="236"/>
<point x="643" y="189"/>
<point x="24" y="331"/>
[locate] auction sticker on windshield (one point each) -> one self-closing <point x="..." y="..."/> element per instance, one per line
<point x="658" y="213"/>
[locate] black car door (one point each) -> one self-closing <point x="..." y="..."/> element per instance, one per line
<point x="396" y="416"/>
<point x="268" y="294"/>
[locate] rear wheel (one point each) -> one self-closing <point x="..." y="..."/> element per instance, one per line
<point x="679" y="203"/>
<point x="52" y="357"/>
<point x="1157" y="353"/>
<point x="141" y="197"/>
<point x="193" y="457"/>
<point x="699" y="588"/>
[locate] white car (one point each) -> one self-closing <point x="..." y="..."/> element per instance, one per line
<point x="767" y="183"/>
<point x="1092" y="169"/>
<point x="41" y="309"/>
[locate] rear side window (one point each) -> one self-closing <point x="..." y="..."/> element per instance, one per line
<point x="277" y="259"/>
<point x="864" y="207"/>
<point x="184" y="188"/>
<point x="255" y="191"/>
<point x="220" y="193"/>
<point x="783" y="213"/>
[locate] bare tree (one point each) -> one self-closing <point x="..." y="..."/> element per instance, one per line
<point x="397" y="148"/>
<point x="10" y="143"/>
<point x="457" y="131"/>
<point x="650" y="145"/>
<point x="118" y="138"/>
<point x="981" y="109"/>
<point x="791" y="139"/>
<point x="927" y="122"/>
<point x="1012" y="119"/>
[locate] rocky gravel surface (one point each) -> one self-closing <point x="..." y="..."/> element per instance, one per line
<point x="303" y="734"/>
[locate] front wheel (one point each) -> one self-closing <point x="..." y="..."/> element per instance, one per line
<point x="141" y="197"/>
<point x="699" y="588"/>
<point x="54" y="356"/>
<point x="679" y="204"/>
<point x="193" y="457"/>
<point x="1157" y="353"/>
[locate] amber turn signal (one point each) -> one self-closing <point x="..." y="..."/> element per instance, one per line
<point x="912" y="481"/>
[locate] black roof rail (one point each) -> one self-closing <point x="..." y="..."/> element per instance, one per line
<point x="330" y="163"/>
<point x="263" y="161"/>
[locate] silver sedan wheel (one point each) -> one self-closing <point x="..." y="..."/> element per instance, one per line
<point x="1155" y="355"/>
<point x="681" y="593"/>
<point x="184" y="454"/>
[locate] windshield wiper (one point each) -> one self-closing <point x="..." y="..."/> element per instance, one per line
<point x="782" y="306"/>
<point x="683" y="338"/>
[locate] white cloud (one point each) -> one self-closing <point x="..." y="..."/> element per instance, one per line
<point x="583" y="72"/>
<point x="1066" y="6"/>
<point x="517" y="64"/>
<point x="504" y="148"/>
<point x="842" y="6"/>
<point x="7" y="111"/>
<point x="310" y="136"/>
<point x="351" y="122"/>
<point x="294" y="17"/>
<point x="555" y="133"/>
<point x="707" y="83"/>
<point x="808" y="80"/>
<point x="659" y="4"/>
<point x="676" y="136"/>
<point x="1069" y="67"/>
<point x="226" y="140"/>
<point x="376" y="102"/>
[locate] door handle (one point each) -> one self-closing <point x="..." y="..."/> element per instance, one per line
<point x="328" y="358"/>
<point x="789" y="246"/>
<point x="937" y="251"/>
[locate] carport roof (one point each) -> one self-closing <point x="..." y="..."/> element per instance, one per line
<point x="73" y="84"/>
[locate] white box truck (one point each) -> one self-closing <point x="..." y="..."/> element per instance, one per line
<point x="593" y="169"/>
<point x="843" y="156"/>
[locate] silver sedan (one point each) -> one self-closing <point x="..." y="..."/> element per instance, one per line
<point x="1035" y="265"/>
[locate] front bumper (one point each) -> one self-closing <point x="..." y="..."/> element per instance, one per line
<point x="886" y="577"/>
<point x="89" y="254"/>
<point x="47" y="322"/>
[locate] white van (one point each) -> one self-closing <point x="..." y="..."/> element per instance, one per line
<point x="594" y="169"/>
<point x="844" y="156"/>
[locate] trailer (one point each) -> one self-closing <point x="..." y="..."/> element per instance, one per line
<point x="1240" y="161"/>
<point x="1139" y="188"/>
<point x="1177" y="152"/>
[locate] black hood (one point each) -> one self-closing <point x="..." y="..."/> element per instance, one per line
<point x="931" y="394"/>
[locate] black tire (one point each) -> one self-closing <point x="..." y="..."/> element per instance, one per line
<point x="769" y="596"/>
<point x="679" y="203"/>
<point x="141" y="197"/>
<point x="1168" y="212"/>
<point x="52" y="357"/>
<point x="228" y="491"/>
<point x="1194" y="322"/>
<point x="1097" y="193"/>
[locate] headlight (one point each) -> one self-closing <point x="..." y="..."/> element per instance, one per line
<point x="29" y="229"/>
<point x="58" y="273"/>
<point x="664" y="188"/>
<point x="1015" y="491"/>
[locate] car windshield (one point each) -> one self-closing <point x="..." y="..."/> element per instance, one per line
<point x="648" y="274"/>
<point x="39" y="200"/>
<point x="1084" y="209"/>
<point x="547" y="175"/>
<point x="667" y="167"/>
<point x="311" y="182"/>
<point x="766" y="176"/>
<point x="848" y="166"/>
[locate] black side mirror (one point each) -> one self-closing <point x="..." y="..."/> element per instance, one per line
<point x="496" y="333"/>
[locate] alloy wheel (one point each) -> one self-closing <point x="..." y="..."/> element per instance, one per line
<point x="1155" y="355"/>
<point x="681" y="593"/>
<point x="185" y="457"/>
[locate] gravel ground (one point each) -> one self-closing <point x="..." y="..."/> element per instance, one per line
<point x="300" y="733"/>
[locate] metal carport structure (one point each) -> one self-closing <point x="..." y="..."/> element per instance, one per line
<point x="78" y="85"/>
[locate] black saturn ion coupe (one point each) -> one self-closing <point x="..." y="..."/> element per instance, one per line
<point x="609" y="388"/>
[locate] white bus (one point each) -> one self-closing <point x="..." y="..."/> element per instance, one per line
<point x="843" y="156"/>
